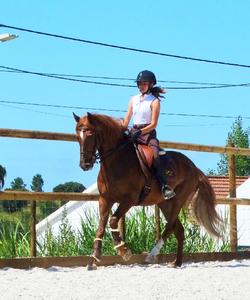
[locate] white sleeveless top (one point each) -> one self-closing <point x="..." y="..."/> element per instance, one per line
<point x="141" y="108"/>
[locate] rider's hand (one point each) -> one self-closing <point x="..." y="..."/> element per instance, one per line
<point x="135" y="134"/>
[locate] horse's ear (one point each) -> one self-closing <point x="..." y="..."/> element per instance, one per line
<point x="76" y="117"/>
<point x="90" y="118"/>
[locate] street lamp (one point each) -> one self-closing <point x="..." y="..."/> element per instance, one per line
<point x="7" y="37"/>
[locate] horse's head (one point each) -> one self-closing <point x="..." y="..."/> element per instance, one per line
<point x="87" y="139"/>
<point x="97" y="132"/>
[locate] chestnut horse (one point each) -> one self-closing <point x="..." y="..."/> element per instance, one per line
<point x="121" y="180"/>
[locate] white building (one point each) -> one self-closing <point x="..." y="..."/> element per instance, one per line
<point x="76" y="211"/>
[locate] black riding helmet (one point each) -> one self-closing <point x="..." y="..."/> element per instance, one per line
<point x="146" y="76"/>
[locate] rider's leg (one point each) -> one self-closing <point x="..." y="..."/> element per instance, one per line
<point x="167" y="191"/>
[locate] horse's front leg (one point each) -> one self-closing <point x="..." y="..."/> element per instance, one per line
<point x="104" y="210"/>
<point x="120" y="245"/>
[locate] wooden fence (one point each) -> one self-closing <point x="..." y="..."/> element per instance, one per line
<point x="35" y="196"/>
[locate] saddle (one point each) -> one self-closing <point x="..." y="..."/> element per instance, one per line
<point x="145" y="156"/>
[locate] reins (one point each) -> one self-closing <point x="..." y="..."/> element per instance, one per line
<point x="108" y="153"/>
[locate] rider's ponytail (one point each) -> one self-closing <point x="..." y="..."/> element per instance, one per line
<point x="157" y="91"/>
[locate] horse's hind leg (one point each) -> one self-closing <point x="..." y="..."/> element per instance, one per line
<point x="104" y="210"/>
<point x="170" y="209"/>
<point x="167" y="210"/>
<point x="179" y="234"/>
<point x="174" y="226"/>
<point x="120" y="245"/>
<point x="178" y="231"/>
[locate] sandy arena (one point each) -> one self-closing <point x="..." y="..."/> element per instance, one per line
<point x="210" y="280"/>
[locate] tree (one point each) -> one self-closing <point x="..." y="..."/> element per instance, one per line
<point x="2" y="175"/>
<point x="12" y="206"/>
<point x="239" y="138"/>
<point x="18" y="185"/>
<point x="37" y="183"/>
<point x="69" y="187"/>
<point x="45" y="207"/>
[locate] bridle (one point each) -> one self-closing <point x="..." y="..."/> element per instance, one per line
<point x="85" y="153"/>
<point x="97" y="157"/>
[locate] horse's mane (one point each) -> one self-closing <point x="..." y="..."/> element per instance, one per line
<point x="110" y="128"/>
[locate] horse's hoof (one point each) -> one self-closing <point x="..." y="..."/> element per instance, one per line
<point x="174" y="264"/>
<point x="151" y="259"/>
<point x="92" y="263"/>
<point x="91" y="267"/>
<point x="127" y="255"/>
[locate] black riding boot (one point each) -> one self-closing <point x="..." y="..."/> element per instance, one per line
<point x="167" y="191"/>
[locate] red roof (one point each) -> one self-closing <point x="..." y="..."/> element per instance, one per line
<point x="220" y="184"/>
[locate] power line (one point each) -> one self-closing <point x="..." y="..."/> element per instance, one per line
<point x="120" y="85"/>
<point x="126" y="48"/>
<point x="63" y="106"/>
<point x="70" y="117"/>
<point x="65" y="78"/>
<point x="196" y="125"/>
<point x="121" y="78"/>
<point x="118" y="110"/>
<point x="36" y="111"/>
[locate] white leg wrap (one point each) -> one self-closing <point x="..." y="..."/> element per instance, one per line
<point x="157" y="248"/>
<point x="97" y="239"/>
<point x="119" y="245"/>
<point x="115" y="230"/>
<point x="97" y="259"/>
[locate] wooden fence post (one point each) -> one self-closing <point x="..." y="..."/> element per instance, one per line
<point x="33" y="228"/>
<point x="157" y="223"/>
<point x="232" y="194"/>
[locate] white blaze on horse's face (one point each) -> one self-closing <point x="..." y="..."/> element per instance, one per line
<point x="81" y="134"/>
<point x="87" y="141"/>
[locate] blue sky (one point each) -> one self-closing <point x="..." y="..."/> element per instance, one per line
<point x="215" y="30"/>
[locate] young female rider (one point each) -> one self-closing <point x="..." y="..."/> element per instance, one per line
<point x="145" y="109"/>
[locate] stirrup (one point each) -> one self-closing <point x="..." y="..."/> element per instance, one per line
<point x="167" y="192"/>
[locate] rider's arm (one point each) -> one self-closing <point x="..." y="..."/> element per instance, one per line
<point x="128" y="116"/>
<point x="155" y="106"/>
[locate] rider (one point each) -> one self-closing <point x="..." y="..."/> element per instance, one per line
<point x="145" y="109"/>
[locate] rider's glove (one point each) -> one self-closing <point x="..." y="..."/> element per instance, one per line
<point x="135" y="134"/>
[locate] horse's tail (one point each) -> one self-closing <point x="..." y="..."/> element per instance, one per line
<point x="203" y="207"/>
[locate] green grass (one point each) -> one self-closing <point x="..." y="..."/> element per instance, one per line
<point x="14" y="242"/>
<point x="140" y="237"/>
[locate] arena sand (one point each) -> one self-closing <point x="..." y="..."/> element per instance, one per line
<point x="210" y="280"/>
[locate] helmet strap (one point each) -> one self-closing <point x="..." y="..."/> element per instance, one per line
<point x="149" y="88"/>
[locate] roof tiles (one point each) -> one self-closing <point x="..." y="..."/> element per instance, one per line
<point x="220" y="184"/>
